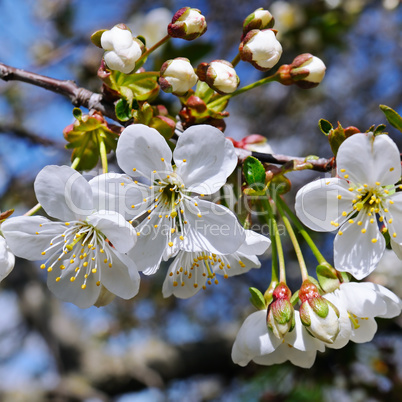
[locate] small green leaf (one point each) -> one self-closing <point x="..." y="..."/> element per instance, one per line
<point x="96" y="37"/>
<point x="254" y="173"/>
<point x="257" y="299"/>
<point x="393" y="117"/>
<point x="325" y="126"/>
<point x="77" y="113"/>
<point x="123" y="110"/>
<point x="380" y="129"/>
<point x="327" y="278"/>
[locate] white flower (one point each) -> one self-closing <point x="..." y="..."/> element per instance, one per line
<point x="219" y="75"/>
<point x="255" y="342"/>
<point x="261" y="49"/>
<point x="177" y="76"/>
<point x="122" y="50"/>
<point x="84" y="250"/>
<point x="192" y="271"/>
<point x="173" y="218"/>
<point x="358" y="305"/>
<point x="187" y="23"/>
<point x="367" y="167"/>
<point x="7" y="259"/>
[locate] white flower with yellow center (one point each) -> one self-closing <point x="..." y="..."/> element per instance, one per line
<point x="368" y="167"/>
<point x="358" y="305"/>
<point x="169" y="216"/>
<point x="85" y="251"/>
<point x="192" y="271"/>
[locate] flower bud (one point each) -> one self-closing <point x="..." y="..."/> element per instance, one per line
<point x="122" y="50"/>
<point x="259" y="19"/>
<point x="280" y="315"/>
<point x="177" y="76"/>
<point x="261" y="49"/>
<point x="219" y="75"/>
<point x="188" y="23"/>
<point x="319" y="316"/>
<point x="306" y="71"/>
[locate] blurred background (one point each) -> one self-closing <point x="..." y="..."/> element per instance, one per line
<point x="155" y="349"/>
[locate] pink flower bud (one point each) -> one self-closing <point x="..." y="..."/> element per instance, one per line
<point x="319" y="316"/>
<point x="219" y="75"/>
<point x="122" y="50"/>
<point x="177" y="76"/>
<point x="261" y="49"/>
<point x="188" y="23"/>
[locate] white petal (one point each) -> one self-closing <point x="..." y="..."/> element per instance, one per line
<point x="7" y="259"/>
<point x="72" y="292"/>
<point x="142" y="148"/>
<point x="117" y="192"/>
<point x="21" y="237"/>
<point x="149" y="249"/>
<point x="180" y="285"/>
<point x="248" y="262"/>
<point x="354" y="251"/>
<point x="122" y="278"/>
<point x="366" y="331"/>
<point x="394" y="206"/>
<point x="255" y="243"/>
<point x="216" y="231"/>
<point x="362" y="300"/>
<point x="253" y="339"/>
<point x="206" y="167"/>
<point x="113" y="225"/>
<point x="63" y="193"/>
<point x="363" y="160"/>
<point x="392" y="301"/>
<point x="318" y="203"/>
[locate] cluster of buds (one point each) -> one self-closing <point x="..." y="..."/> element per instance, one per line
<point x="177" y="76"/>
<point x="280" y="314"/>
<point x="122" y="50"/>
<point x="220" y="75"/>
<point x="306" y="71"/>
<point x="319" y="316"/>
<point x="187" y="23"/>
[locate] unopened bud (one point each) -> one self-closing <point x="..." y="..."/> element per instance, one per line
<point x="122" y="50"/>
<point x="219" y="75"/>
<point x="280" y="315"/>
<point x="306" y="71"/>
<point x="188" y="23"/>
<point x="261" y="49"/>
<point x="259" y="19"/>
<point x="319" y="316"/>
<point x="177" y="76"/>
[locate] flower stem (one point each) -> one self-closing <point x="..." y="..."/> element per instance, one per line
<point x="276" y="239"/>
<point x="242" y="90"/>
<point x="103" y="155"/>
<point x="154" y="47"/>
<point x="317" y="254"/>
<point x="236" y="60"/>
<point x="296" y="245"/>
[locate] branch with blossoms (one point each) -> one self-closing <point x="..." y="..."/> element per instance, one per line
<point x="102" y="233"/>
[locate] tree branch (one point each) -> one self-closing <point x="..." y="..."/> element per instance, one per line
<point x="78" y="96"/>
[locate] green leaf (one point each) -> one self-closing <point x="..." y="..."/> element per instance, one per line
<point x="393" y="117"/>
<point x="96" y="37"/>
<point x="325" y="126"/>
<point x="380" y="129"/>
<point x="123" y="110"/>
<point x="254" y="173"/>
<point x="77" y="113"/>
<point x="257" y="299"/>
<point x="327" y="278"/>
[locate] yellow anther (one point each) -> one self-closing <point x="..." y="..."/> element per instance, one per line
<point x="58" y="279"/>
<point x="390" y="220"/>
<point x="340" y="233"/>
<point x="339" y="197"/>
<point x="163" y="159"/>
<point x="195" y="204"/>
<point x="110" y="265"/>
<point x="175" y="283"/>
<point x="346" y="176"/>
<point x="391" y="169"/>
<point x="72" y="279"/>
<point x="170" y="244"/>
<point x="105" y="260"/>
<point x="343" y="170"/>
<point x="199" y="215"/>
<point x="374" y="240"/>
<point x="154" y="172"/>
<point x="350" y="188"/>
<point x="195" y="285"/>
<point x="360" y="223"/>
<point x="344" y="213"/>
<point x="202" y="195"/>
<point x="172" y="230"/>
<point x="138" y="233"/>
<point x="184" y="160"/>
<point x="381" y="218"/>
<point x="384" y="230"/>
<point x="85" y="264"/>
<point x="377" y="183"/>
<point x="173" y="214"/>
<point x="391" y="202"/>
<point x="365" y="185"/>
<point x="83" y="286"/>
<point x="135" y="181"/>
<point x="371" y="220"/>
<point x="43" y="252"/>
<point x="62" y="267"/>
<point x="364" y="230"/>
<point x="385" y="210"/>
<point x="43" y="266"/>
<point x="67" y="223"/>
<point x="181" y="237"/>
<point x="98" y="283"/>
<point x="134" y="169"/>
<point x="94" y="270"/>
<point x="394" y="234"/>
<point x="36" y="232"/>
<point x="133" y="206"/>
<point x="71" y="261"/>
<point x="351" y="221"/>
<point x="155" y="226"/>
<point x="182" y="211"/>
